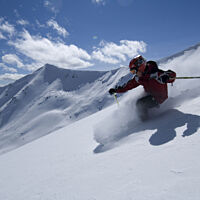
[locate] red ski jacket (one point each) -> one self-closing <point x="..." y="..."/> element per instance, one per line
<point x="154" y="84"/>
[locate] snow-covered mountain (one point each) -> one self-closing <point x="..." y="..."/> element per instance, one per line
<point x="182" y="53"/>
<point x="109" y="154"/>
<point x="50" y="98"/>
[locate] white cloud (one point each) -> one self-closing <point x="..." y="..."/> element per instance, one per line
<point x="42" y="50"/>
<point x="12" y="59"/>
<point x="6" y="27"/>
<point x="113" y="53"/>
<point x="33" y="66"/>
<point x="7" y="77"/>
<point x="1" y="19"/>
<point x="39" y="24"/>
<point x="53" y="6"/>
<point x="47" y="3"/>
<point x="2" y="36"/>
<point x="8" y="69"/>
<point x="22" y="22"/>
<point x="99" y="2"/>
<point x="61" y="31"/>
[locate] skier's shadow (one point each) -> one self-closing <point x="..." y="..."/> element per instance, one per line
<point x="173" y="119"/>
<point x="165" y="125"/>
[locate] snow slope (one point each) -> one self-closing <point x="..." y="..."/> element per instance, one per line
<point x="112" y="155"/>
<point x="69" y="164"/>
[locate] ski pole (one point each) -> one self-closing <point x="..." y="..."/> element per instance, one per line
<point x="187" y="77"/>
<point x="116" y="98"/>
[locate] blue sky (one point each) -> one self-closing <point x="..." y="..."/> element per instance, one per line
<point x="91" y="34"/>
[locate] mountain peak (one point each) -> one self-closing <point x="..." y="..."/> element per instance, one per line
<point x="49" y="67"/>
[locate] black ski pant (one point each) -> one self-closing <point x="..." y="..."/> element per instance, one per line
<point x="145" y="103"/>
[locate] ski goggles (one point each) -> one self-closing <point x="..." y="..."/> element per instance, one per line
<point x="133" y="69"/>
<point x="138" y="63"/>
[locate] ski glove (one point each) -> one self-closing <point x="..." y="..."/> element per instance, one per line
<point x="112" y="91"/>
<point x="165" y="78"/>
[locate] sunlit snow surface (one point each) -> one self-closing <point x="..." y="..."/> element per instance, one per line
<point x="109" y="154"/>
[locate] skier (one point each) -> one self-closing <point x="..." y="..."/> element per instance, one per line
<point x="154" y="81"/>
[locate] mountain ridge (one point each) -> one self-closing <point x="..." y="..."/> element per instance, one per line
<point x="62" y="95"/>
<point x="168" y="58"/>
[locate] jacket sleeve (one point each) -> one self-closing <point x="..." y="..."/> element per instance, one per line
<point x="128" y="86"/>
